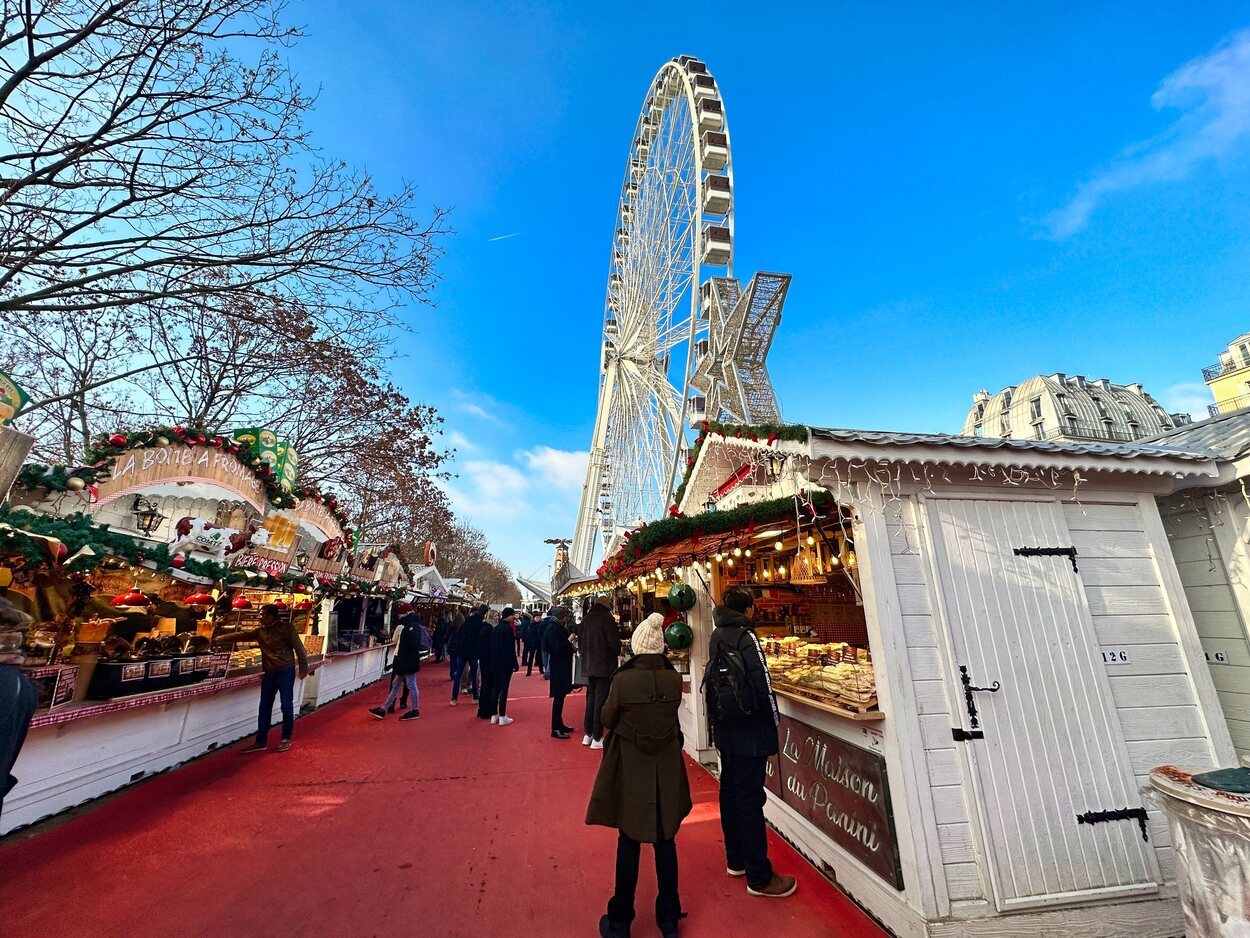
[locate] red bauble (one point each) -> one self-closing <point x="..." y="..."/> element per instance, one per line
<point x="215" y="441"/>
<point x="117" y="439"/>
<point x="179" y="561"/>
<point x="180" y="431"/>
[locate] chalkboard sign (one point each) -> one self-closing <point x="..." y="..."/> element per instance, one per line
<point x="842" y="790"/>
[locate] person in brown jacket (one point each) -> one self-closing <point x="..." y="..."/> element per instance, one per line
<point x="642" y="789"/>
<point x="280" y="647"/>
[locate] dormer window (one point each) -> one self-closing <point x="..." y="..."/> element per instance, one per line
<point x="1035" y="409"/>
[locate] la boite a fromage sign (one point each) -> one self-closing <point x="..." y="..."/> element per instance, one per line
<point x="136" y="469"/>
<point x="842" y="790"/>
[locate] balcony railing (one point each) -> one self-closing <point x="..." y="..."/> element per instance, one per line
<point x="1218" y="370"/>
<point x="1228" y="406"/>
<point x="1084" y="431"/>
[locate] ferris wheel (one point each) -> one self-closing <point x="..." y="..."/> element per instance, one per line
<point x="681" y="338"/>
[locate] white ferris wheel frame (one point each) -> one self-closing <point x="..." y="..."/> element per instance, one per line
<point x="639" y="444"/>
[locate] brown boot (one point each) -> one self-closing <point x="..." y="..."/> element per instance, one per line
<point x="778" y="887"/>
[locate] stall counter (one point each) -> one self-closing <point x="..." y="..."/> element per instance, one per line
<point x="82" y="751"/>
<point x="343" y="672"/>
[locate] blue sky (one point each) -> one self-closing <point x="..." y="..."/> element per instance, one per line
<point x="966" y="195"/>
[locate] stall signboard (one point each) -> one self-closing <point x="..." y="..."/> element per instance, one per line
<point x="278" y="454"/>
<point x="136" y="469"/>
<point x="12" y="399"/>
<point x="842" y="790"/>
<point x="271" y="565"/>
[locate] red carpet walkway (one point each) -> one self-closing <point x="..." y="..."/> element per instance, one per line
<point x="444" y="826"/>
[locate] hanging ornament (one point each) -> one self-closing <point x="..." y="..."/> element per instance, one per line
<point x="117" y="439"/>
<point x="75" y="484"/>
<point x="682" y="597"/>
<point x="678" y="635"/>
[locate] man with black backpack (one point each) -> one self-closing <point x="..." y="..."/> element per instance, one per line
<point x="744" y="716"/>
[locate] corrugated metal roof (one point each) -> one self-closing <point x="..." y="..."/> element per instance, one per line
<point x="1227" y="435"/>
<point x="1061" y="448"/>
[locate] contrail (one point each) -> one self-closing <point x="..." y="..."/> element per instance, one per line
<point x="504" y="237"/>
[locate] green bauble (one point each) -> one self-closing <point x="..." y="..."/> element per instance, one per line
<point x="681" y="597"/>
<point x="678" y="635"/>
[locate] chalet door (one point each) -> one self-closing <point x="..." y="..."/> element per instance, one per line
<point x="1053" y="748"/>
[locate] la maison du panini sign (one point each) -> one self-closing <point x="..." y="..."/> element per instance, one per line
<point x="842" y="790"/>
<point x="137" y="468"/>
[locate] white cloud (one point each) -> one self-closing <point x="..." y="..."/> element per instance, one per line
<point x="1191" y="398"/>
<point x="561" y="468"/>
<point x="461" y="442"/>
<point x="469" y="404"/>
<point x="1212" y="93"/>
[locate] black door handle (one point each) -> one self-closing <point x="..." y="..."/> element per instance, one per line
<point x="966" y="680"/>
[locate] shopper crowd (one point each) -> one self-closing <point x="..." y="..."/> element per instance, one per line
<point x="631" y="713"/>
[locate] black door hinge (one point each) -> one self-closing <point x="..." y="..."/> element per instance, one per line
<point x="1069" y="552"/>
<point x="1119" y="814"/>
<point x="961" y="735"/>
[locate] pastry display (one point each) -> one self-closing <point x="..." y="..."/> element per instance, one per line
<point x="837" y="672"/>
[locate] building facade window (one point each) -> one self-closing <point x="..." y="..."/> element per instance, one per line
<point x="1035" y="409"/>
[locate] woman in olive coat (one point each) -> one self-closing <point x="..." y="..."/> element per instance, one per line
<point x="642" y="789"/>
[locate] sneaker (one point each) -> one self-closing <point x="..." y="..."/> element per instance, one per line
<point x="778" y="887"/>
<point x="284" y="745"/>
<point x="495" y="719"/>
<point x="586" y="740"/>
<point x="559" y="734"/>
<point x="732" y="872"/>
<point x="455" y="702"/>
<point x="378" y="712"/>
<point x="411" y="715"/>
<point x="255" y="747"/>
<point x="504" y="721"/>
<point x="597" y="744"/>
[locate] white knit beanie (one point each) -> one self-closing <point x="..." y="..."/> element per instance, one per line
<point x="648" y="638"/>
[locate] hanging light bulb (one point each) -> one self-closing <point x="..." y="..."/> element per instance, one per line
<point x="781" y="569"/>
<point x="747" y="552"/>
<point x="768" y="574"/>
<point x="778" y="546"/>
<point x="659" y="574"/>
<point x="719" y="556"/>
<point x="730" y="562"/>
<point x="708" y="565"/>
<point x="737" y="551"/>
<point x="810" y="540"/>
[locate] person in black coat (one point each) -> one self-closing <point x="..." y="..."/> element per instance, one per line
<point x="503" y="663"/>
<point x="745" y="746"/>
<point x="486" y="698"/>
<point x="464" y="654"/>
<point x="440" y="638"/>
<point x="599" y="644"/>
<point x="560" y="649"/>
<point x="412" y="641"/>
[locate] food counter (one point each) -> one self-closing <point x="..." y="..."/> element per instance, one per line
<point x="835" y="676"/>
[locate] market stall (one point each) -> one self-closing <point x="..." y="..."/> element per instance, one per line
<point x="980" y="649"/>
<point x="133" y="568"/>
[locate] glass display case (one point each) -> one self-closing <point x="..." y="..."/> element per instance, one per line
<point x="835" y="673"/>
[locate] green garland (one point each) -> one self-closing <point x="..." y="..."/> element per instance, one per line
<point x="102" y="454"/>
<point x="790" y="432"/>
<point x="78" y="531"/>
<point x="680" y="528"/>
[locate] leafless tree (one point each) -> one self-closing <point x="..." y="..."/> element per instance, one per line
<point x="143" y="158"/>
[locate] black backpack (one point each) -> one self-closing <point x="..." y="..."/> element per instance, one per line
<point x="725" y="687"/>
